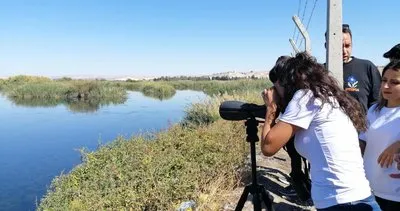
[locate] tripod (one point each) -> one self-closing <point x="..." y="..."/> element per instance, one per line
<point x="258" y="191"/>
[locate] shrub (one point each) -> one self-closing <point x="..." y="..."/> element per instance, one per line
<point x="139" y="174"/>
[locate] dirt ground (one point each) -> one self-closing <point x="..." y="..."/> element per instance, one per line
<point x="273" y="174"/>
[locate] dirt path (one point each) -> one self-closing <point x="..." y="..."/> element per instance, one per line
<point x="273" y="174"/>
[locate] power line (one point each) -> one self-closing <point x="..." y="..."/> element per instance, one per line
<point x="298" y="13"/>
<point x="309" y="19"/>
<point x="304" y="11"/>
<point x="302" y="18"/>
<point x="312" y="12"/>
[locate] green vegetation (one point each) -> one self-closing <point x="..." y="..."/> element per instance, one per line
<point x="2" y="83"/>
<point x="200" y="159"/>
<point x="90" y="95"/>
<point x="178" y="165"/>
<point x="28" y="87"/>
<point x="159" y="91"/>
<point x="210" y="87"/>
<point x="78" y="95"/>
<point x="27" y="79"/>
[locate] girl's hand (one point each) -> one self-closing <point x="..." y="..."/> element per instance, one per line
<point x="397" y="159"/>
<point x="386" y="158"/>
<point x="270" y="98"/>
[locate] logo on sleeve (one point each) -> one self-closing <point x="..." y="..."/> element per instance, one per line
<point x="352" y="84"/>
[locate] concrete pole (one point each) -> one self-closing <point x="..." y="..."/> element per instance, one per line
<point x="334" y="58"/>
<point x="294" y="46"/>
<point x="303" y="31"/>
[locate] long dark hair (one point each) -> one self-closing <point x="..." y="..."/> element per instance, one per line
<point x="303" y="72"/>
<point x="394" y="65"/>
<point x="279" y="62"/>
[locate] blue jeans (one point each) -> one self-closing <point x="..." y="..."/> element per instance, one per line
<point x="368" y="204"/>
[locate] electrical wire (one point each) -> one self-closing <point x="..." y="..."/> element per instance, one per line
<point x="309" y="19"/>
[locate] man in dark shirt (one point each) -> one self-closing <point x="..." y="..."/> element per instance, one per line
<point x="361" y="78"/>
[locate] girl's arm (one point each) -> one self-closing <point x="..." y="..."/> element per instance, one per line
<point x="274" y="135"/>
<point x="386" y="158"/>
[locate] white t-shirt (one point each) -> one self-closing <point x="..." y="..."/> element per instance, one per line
<point x="383" y="130"/>
<point x="329" y="141"/>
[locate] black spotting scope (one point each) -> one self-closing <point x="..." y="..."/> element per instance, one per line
<point x="236" y="110"/>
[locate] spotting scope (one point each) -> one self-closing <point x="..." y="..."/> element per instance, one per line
<point x="237" y="110"/>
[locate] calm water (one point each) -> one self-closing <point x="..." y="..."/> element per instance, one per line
<point x="38" y="143"/>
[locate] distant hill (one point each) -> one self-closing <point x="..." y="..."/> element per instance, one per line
<point x="215" y="76"/>
<point x="234" y="74"/>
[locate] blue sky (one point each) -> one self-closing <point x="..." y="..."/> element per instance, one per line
<point x="175" y="37"/>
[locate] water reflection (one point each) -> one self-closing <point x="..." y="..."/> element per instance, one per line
<point x="82" y="105"/>
<point x="35" y="102"/>
<point x="159" y="95"/>
<point x="40" y="138"/>
<point x="90" y="105"/>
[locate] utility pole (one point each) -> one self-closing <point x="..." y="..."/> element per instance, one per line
<point x="334" y="58"/>
<point x="304" y="33"/>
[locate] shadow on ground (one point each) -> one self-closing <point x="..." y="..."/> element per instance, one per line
<point x="273" y="175"/>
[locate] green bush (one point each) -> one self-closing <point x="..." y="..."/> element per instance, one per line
<point x="65" y="79"/>
<point x="211" y="87"/>
<point x="198" y="163"/>
<point x="43" y="90"/>
<point x="183" y="163"/>
<point x="27" y="79"/>
<point x="2" y="83"/>
<point x="158" y="90"/>
<point x="215" y="87"/>
<point x="157" y="174"/>
<point x="65" y="91"/>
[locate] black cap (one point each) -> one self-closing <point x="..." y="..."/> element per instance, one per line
<point x="393" y="53"/>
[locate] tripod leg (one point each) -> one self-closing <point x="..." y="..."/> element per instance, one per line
<point x="267" y="199"/>
<point x="257" y="201"/>
<point x="243" y="198"/>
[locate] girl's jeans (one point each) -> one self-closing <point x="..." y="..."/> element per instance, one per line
<point x="368" y="204"/>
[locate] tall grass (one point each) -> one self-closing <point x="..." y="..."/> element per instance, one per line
<point x="159" y="174"/>
<point x="209" y="87"/>
<point x="159" y="91"/>
<point x="2" y="83"/>
<point x="39" y="88"/>
<point x="221" y="87"/>
<point x="99" y="90"/>
<point x="45" y="88"/>
<point x="182" y="163"/>
<point x="20" y="79"/>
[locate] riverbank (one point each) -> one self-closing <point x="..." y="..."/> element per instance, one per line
<point x="65" y="89"/>
<point x="203" y="159"/>
<point x="199" y="159"/>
